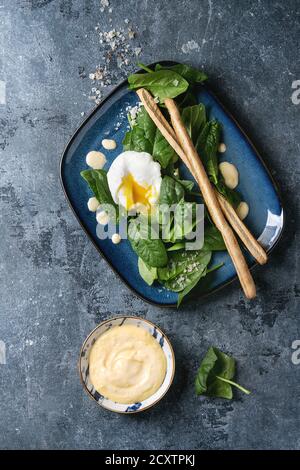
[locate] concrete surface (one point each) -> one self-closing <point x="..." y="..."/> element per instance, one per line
<point x="54" y="286"/>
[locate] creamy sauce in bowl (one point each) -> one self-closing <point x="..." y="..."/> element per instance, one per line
<point x="126" y="364"/>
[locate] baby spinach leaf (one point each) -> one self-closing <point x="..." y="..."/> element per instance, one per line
<point x="187" y="99"/>
<point x="185" y="219"/>
<point x="148" y="273"/>
<point x="181" y="262"/>
<point x="194" y="119"/>
<point x="162" y="83"/>
<point x="152" y="250"/>
<point x="97" y="181"/>
<point x="187" y="184"/>
<point x="176" y="246"/>
<point x="213" y="239"/>
<point x="145" y="137"/>
<point x="171" y="191"/>
<point x="194" y="282"/>
<point x="162" y="152"/>
<point x="183" y="281"/>
<point x="214" y="375"/>
<point x="191" y="74"/>
<point x="207" y="146"/>
<point x="231" y="195"/>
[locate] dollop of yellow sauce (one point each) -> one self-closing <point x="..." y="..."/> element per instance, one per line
<point x="126" y="364"/>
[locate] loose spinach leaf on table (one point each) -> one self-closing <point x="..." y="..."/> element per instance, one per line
<point x="152" y="250"/>
<point x="148" y="273"/>
<point x="145" y="137"/>
<point x="214" y="375"/>
<point x="162" y="83"/>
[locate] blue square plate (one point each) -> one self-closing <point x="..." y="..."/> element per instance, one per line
<point x="109" y="120"/>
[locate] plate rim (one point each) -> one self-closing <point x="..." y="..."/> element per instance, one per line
<point x="257" y="153"/>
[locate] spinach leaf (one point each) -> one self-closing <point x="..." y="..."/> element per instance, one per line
<point x="214" y="375"/>
<point x="185" y="219"/>
<point x="187" y="184"/>
<point x="207" y="146"/>
<point x="152" y="250"/>
<point x="213" y="239"/>
<point x="183" y="262"/>
<point x="232" y="196"/>
<point x="162" y="83"/>
<point x="194" y="282"/>
<point x="171" y="191"/>
<point x="191" y="74"/>
<point x="148" y="273"/>
<point x="145" y="137"/>
<point x="182" y="282"/>
<point x="187" y="99"/>
<point x="176" y="246"/>
<point x="194" y="119"/>
<point x="97" y="181"/>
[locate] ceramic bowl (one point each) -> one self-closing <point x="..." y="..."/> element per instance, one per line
<point x="159" y="336"/>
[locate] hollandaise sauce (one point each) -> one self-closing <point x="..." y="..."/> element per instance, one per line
<point x="126" y="364"/>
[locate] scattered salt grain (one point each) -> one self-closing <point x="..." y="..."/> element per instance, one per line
<point x="117" y="47"/>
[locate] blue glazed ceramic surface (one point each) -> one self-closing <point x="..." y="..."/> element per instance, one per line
<point x="109" y="120"/>
<point x="84" y="364"/>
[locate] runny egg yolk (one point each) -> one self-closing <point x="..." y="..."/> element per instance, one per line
<point x="134" y="193"/>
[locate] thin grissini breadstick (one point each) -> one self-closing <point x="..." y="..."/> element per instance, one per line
<point x="211" y="201"/>
<point x="243" y="232"/>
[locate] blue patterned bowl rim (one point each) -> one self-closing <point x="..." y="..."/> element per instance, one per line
<point x="83" y="364"/>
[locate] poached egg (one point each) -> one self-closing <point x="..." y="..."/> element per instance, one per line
<point x="134" y="181"/>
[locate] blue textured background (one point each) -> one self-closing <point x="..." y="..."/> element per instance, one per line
<point x="54" y="286"/>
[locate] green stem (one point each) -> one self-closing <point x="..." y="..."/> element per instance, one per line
<point x="194" y="193"/>
<point x="144" y="67"/>
<point x="217" y="266"/>
<point x="234" y="384"/>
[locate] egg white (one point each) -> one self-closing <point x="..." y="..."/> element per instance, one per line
<point x="142" y="171"/>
